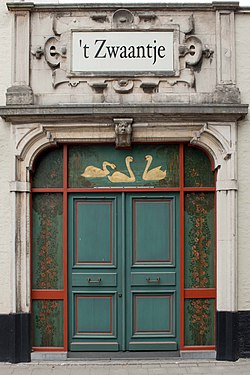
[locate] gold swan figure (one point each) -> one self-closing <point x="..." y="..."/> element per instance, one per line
<point x="94" y="172"/>
<point x="118" y="176"/>
<point x="154" y="174"/>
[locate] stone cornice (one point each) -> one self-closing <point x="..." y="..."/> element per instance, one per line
<point x="216" y="5"/>
<point x="149" y="113"/>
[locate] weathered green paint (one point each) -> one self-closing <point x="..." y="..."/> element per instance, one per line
<point x="123" y="304"/>
<point x="199" y="321"/>
<point x="83" y="156"/>
<point x="47" y="321"/>
<point x="197" y="168"/>
<point x="47" y="241"/>
<point x="199" y="240"/>
<point x="49" y="170"/>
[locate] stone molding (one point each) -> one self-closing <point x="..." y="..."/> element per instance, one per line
<point x="217" y="136"/>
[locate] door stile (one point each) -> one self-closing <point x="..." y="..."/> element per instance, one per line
<point x="65" y="243"/>
<point x="182" y="245"/>
<point x="123" y="256"/>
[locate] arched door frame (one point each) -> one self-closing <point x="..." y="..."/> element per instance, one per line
<point x="218" y="138"/>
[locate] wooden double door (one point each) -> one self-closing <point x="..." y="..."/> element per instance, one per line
<point x="123" y="271"/>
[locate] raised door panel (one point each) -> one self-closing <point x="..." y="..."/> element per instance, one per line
<point x="94" y="273"/>
<point x="152" y="285"/>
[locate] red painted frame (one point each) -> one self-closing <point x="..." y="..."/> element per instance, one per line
<point x="184" y="293"/>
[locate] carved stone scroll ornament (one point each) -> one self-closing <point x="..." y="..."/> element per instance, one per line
<point x="123" y="132"/>
<point x="193" y="51"/>
<point x="122" y="18"/>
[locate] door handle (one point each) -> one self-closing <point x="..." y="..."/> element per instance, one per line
<point x="90" y="281"/>
<point x="151" y="281"/>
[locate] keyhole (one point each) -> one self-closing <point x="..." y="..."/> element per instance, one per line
<point x="192" y="50"/>
<point x="52" y="51"/>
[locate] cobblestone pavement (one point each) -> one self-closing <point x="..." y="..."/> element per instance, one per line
<point x="121" y="367"/>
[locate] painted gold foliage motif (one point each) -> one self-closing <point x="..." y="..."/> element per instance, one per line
<point x="49" y="170"/>
<point x="198" y="206"/>
<point x="199" y="273"/>
<point x="48" y="273"/>
<point x="47" y="322"/>
<point x="200" y="321"/>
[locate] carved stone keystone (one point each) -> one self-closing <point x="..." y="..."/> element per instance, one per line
<point x="123" y="132"/>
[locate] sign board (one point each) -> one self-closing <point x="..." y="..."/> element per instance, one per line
<point x="127" y="51"/>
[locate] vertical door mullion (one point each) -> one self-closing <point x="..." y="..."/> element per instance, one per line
<point x="123" y="255"/>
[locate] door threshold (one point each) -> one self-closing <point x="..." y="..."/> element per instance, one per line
<point x="135" y="355"/>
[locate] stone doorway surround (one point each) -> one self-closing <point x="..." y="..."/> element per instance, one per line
<point x="211" y="127"/>
<point x="182" y="114"/>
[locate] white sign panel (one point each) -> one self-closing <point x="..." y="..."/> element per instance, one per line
<point x="127" y="51"/>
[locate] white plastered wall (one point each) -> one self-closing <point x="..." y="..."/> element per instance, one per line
<point x="6" y="247"/>
<point x="243" y="82"/>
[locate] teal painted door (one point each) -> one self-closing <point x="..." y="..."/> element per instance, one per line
<point x="123" y="271"/>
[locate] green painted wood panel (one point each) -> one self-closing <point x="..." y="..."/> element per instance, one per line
<point x="199" y="240"/>
<point x="153" y="313"/>
<point x="199" y="321"/>
<point x="94" y="232"/>
<point x="197" y="168"/>
<point x="126" y="304"/>
<point x="143" y="165"/>
<point x="47" y="322"/>
<point x="88" y="279"/>
<point x="153" y="278"/>
<point x="48" y="172"/>
<point x="152" y="231"/>
<point x="88" y="321"/>
<point x="94" y="278"/>
<point x="47" y="241"/>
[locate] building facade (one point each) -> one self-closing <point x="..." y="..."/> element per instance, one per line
<point x="124" y="184"/>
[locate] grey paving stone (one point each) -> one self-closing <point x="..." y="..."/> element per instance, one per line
<point x="22" y="370"/>
<point x="6" y="370"/>
<point x="99" y="370"/>
<point x="138" y="371"/>
<point x="117" y="370"/>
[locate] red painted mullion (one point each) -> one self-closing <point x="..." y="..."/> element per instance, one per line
<point x="200" y="189"/>
<point x="47" y="190"/>
<point x="31" y="243"/>
<point x="140" y="189"/>
<point x="200" y="293"/>
<point x="201" y="347"/>
<point x="65" y="242"/>
<point x="47" y="294"/>
<point x="182" y="265"/>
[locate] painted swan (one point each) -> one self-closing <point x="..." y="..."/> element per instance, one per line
<point x="94" y="172"/>
<point x="122" y="177"/>
<point x="154" y="174"/>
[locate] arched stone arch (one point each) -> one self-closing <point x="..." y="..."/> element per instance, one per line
<point x="218" y="139"/>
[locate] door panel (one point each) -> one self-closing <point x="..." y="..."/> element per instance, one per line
<point x="123" y="289"/>
<point x="152" y="243"/>
<point x="151" y="291"/>
<point x="93" y="273"/>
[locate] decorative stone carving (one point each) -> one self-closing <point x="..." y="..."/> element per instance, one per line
<point x="150" y="87"/>
<point x="99" y="17"/>
<point x="19" y="94"/>
<point x="123" y="132"/>
<point x="38" y="52"/>
<point x="226" y="94"/>
<point x="123" y="86"/>
<point x="193" y="51"/>
<point x="123" y="18"/>
<point x="99" y="87"/>
<point x="147" y="17"/>
<point x="52" y="52"/>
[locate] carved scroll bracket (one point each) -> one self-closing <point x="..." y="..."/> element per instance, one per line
<point x="123" y="132"/>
